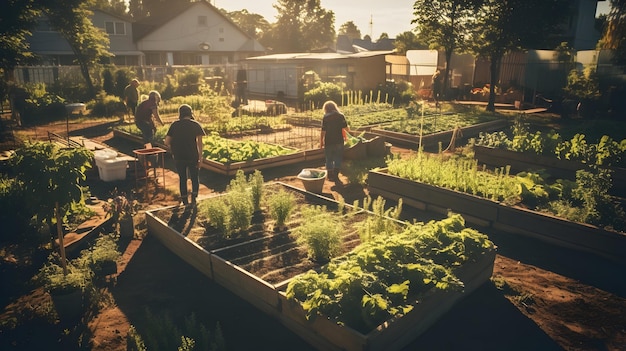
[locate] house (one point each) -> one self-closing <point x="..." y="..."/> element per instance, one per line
<point x="194" y="33"/>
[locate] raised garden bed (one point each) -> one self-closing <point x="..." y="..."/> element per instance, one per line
<point x="557" y="168"/>
<point x="433" y="140"/>
<point x="247" y="166"/>
<point x="488" y="213"/>
<point x="258" y="264"/>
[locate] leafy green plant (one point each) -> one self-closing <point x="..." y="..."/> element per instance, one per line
<point x="103" y="253"/>
<point x="56" y="281"/>
<point x="256" y="189"/>
<point x="321" y="233"/>
<point x="383" y="277"/>
<point x="281" y="204"/>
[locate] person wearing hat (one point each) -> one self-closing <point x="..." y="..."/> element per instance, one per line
<point x="184" y="140"/>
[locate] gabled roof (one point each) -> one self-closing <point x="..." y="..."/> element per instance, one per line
<point x="147" y="25"/>
<point x="316" y="56"/>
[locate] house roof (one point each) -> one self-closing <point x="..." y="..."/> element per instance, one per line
<point x="147" y="25"/>
<point x="316" y="56"/>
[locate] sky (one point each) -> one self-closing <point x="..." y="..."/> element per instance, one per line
<point x="390" y="16"/>
<point x="387" y="16"/>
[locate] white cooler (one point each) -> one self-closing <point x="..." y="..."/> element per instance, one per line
<point x="110" y="167"/>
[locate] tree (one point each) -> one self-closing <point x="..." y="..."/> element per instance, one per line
<point x="117" y="7"/>
<point x="253" y="24"/>
<point x="89" y="44"/>
<point x="16" y="21"/>
<point x="301" y="26"/>
<point x="350" y="30"/>
<point x="382" y="36"/>
<point x="444" y="25"/>
<point x="613" y="37"/>
<point x="506" y="25"/>
<point x="408" y="41"/>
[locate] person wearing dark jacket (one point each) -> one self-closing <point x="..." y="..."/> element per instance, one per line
<point x="332" y="138"/>
<point x="184" y="139"/>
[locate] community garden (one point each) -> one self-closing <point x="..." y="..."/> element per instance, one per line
<point x="380" y="261"/>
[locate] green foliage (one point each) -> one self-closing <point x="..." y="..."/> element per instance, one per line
<point x="55" y="281"/>
<point x="400" y="93"/>
<point x="188" y="81"/>
<point x="322" y="92"/>
<point x="123" y="76"/>
<point x="106" y="105"/>
<point x="281" y="205"/>
<point x="384" y="220"/>
<point x="164" y="333"/>
<point x="218" y="213"/>
<point x="107" y="81"/>
<point x="15" y="212"/>
<point x="226" y="151"/>
<point x="578" y="202"/>
<point x="104" y="251"/>
<point x="321" y="233"/>
<point x="42" y="106"/>
<point x="383" y="277"/>
<point x="49" y="176"/>
<point x="607" y="152"/>
<point x="583" y="85"/>
<point x="256" y="188"/>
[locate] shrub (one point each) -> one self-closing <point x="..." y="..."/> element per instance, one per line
<point x="106" y="105"/>
<point x="322" y="92"/>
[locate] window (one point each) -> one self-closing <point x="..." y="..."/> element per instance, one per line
<point x="202" y="21"/>
<point x="115" y="28"/>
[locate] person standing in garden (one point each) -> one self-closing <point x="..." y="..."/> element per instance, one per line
<point x="184" y="139"/>
<point x="332" y="138"/>
<point x="436" y="87"/>
<point x="131" y="97"/>
<point x="146" y="113"/>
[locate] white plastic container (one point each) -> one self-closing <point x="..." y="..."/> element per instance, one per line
<point x="112" y="169"/>
<point x="104" y="154"/>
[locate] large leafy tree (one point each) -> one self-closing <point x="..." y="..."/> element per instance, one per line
<point x="507" y="25"/>
<point x="17" y="18"/>
<point x="614" y="37"/>
<point x="301" y="26"/>
<point x="408" y="41"/>
<point x="253" y="24"/>
<point x="444" y="25"/>
<point x="90" y="44"/>
<point x="350" y="30"/>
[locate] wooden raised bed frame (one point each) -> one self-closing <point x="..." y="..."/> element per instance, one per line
<point x="524" y="161"/>
<point x="433" y="140"/>
<point x="488" y="213"/>
<point x="247" y="166"/>
<point x="321" y="333"/>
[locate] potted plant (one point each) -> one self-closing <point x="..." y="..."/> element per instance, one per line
<point x="122" y="210"/>
<point x="66" y="287"/>
<point x="102" y="257"/>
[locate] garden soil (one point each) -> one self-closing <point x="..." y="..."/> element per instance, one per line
<point x="540" y="297"/>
